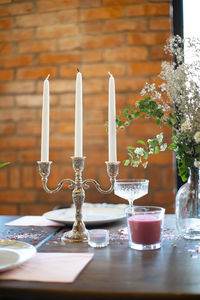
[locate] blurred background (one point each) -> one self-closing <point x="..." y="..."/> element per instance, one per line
<point x="41" y="37"/>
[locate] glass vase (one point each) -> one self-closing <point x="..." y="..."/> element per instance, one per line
<point x="188" y="207"/>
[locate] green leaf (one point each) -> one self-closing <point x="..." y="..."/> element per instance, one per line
<point x="126" y="162"/>
<point x="4" y="164"/>
<point x="141" y="142"/>
<point x="157" y="150"/>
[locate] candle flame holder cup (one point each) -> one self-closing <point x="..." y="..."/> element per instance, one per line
<point x="78" y="186"/>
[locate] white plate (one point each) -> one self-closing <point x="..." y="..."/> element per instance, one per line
<point x="14" y="253"/>
<point x="92" y="214"/>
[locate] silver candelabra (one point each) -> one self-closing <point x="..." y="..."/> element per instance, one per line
<point x="78" y="232"/>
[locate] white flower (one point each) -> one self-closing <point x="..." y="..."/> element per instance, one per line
<point x="163" y="147"/>
<point x="197" y="163"/>
<point x="139" y="151"/>
<point x="185" y="126"/>
<point x="159" y="138"/>
<point x="197" y="137"/>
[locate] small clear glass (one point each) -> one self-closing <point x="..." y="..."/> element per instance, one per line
<point x="145" y="226"/>
<point x="98" y="238"/>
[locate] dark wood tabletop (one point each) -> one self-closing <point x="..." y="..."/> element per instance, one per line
<point x="116" y="271"/>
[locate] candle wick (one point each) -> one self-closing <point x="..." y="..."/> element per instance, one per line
<point x="109" y="73"/>
<point x="48" y="77"/>
<point x="77" y="69"/>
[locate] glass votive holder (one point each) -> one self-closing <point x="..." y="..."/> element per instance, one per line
<point x="98" y="238"/>
<point x="145" y="225"/>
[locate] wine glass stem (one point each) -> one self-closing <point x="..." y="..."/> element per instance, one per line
<point x="130" y="203"/>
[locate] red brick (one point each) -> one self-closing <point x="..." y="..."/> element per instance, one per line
<point x="16" y="61"/>
<point x="101" y="70"/>
<point x="130" y="84"/>
<point x="17" y="142"/>
<point x="121" y="2"/>
<point x="5" y="1"/>
<point x="60" y="142"/>
<point x="16" y="35"/>
<point x="35" y="73"/>
<point x="17" y="196"/>
<point x="36" y="46"/>
<point x="45" y="5"/>
<point x="35" y="209"/>
<point x="29" y="101"/>
<point x="157" y="52"/>
<point x="3" y="178"/>
<point x="93" y="86"/>
<point x="56" y="31"/>
<point x="64" y="114"/>
<point x="147" y="38"/>
<point x="92" y="56"/>
<point x="147" y="10"/>
<point x="6" y="48"/>
<point x="6" y="75"/>
<point x="59" y="58"/>
<point x="91" y="27"/>
<point x="9" y="156"/>
<point x="124" y="25"/>
<point x="66" y="127"/>
<point x="163" y="198"/>
<point x="28" y="176"/>
<point x="89" y="3"/>
<point x="32" y="20"/>
<point x="68" y="71"/>
<point x="9" y="210"/>
<point x="102" y="41"/>
<point x="125" y="54"/>
<point x="6" y="23"/>
<point x="68" y="16"/>
<point x="101" y="13"/>
<point x="60" y="86"/>
<point x="100" y="130"/>
<point x="16" y="9"/>
<point x="17" y="87"/>
<point x="168" y="177"/>
<point x="14" y="177"/>
<point x="163" y="158"/>
<point x="67" y="100"/>
<point x="29" y="156"/>
<point x="160" y="24"/>
<point x="69" y="43"/>
<point x="96" y="100"/>
<point x="7" y="129"/>
<point x="17" y="114"/>
<point x="145" y="68"/>
<point x="29" y="128"/>
<point x="94" y="116"/>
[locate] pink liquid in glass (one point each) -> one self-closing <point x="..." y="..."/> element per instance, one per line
<point x="145" y="229"/>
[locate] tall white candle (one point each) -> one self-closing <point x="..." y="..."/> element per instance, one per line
<point x="78" y="145"/>
<point x="45" y="122"/>
<point x="112" y="143"/>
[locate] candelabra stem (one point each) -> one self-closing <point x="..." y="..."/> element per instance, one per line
<point x="78" y="232"/>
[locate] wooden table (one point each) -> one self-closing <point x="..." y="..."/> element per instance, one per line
<point x="116" y="272"/>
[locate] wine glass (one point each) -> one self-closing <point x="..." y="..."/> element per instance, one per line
<point x="130" y="189"/>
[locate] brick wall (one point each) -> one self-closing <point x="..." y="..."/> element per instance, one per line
<point x="124" y="37"/>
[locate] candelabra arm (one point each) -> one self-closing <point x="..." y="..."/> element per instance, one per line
<point x="112" y="170"/>
<point x="44" y="170"/>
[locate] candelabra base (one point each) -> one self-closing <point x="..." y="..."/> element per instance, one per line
<point x="77" y="234"/>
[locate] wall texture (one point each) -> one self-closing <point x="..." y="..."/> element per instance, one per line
<point x="124" y="37"/>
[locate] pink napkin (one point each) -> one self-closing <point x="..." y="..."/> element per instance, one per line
<point x="33" y="221"/>
<point x="50" y="267"/>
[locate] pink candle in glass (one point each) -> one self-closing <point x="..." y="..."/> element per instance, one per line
<point x="145" y="229"/>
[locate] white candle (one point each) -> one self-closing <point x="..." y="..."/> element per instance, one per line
<point x="112" y="144"/>
<point x="45" y="122"/>
<point x="78" y="145"/>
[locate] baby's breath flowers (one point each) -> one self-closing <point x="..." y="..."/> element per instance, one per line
<point x="175" y="103"/>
